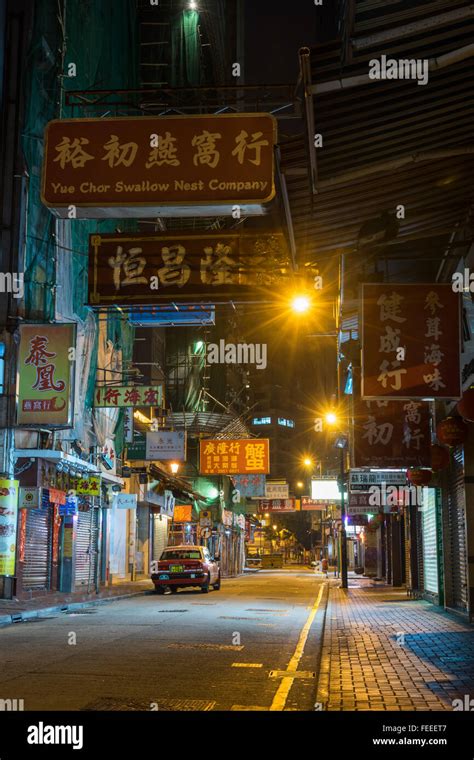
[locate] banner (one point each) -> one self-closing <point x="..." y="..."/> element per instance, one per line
<point x="128" y="396"/>
<point x="140" y="269"/>
<point x="162" y="316"/>
<point x="229" y="457"/>
<point x="116" y="166"/>
<point x="8" y="520"/>
<point x="276" y="490"/>
<point x="166" y="445"/>
<point x="45" y="375"/>
<point x="410" y="341"/>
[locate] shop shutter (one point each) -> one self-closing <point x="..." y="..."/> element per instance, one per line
<point x="407" y="544"/>
<point x="86" y="549"/>
<point x="430" y="542"/>
<point x="160" y="535"/>
<point x="456" y="525"/>
<point x="38" y="549"/>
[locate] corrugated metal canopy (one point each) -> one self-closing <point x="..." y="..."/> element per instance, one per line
<point x="390" y="142"/>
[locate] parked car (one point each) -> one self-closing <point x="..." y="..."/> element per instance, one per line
<point x="184" y="567"/>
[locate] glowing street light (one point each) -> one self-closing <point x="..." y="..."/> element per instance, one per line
<point x="299" y="484"/>
<point x="300" y="304"/>
<point x="308" y="462"/>
<point x="174" y="467"/>
<point x="331" y="418"/>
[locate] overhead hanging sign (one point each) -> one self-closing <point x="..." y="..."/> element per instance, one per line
<point x="277" y="505"/>
<point x="392" y="434"/>
<point x="115" y="167"/>
<point x="249" y="486"/>
<point x="312" y="505"/>
<point x="125" y="500"/>
<point x="45" y="377"/>
<point x="276" y="490"/>
<point x="141" y="269"/>
<point x="410" y="341"/>
<point x="362" y="480"/>
<point x="162" y="316"/>
<point x="229" y="457"/>
<point x="128" y="395"/>
<point x="166" y="445"/>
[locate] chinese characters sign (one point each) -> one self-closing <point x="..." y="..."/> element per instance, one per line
<point x="228" y="457"/>
<point x="277" y="505"/>
<point x="45" y="375"/>
<point x="128" y="395"/>
<point x="116" y="166"/>
<point x="410" y="341"/>
<point x="392" y="434"/>
<point x="249" y="486"/>
<point x="145" y="269"/>
<point x="166" y="445"/>
<point x="312" y="505"/>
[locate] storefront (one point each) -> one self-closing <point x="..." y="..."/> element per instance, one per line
<point x="432" y="546"/>
<point x="455" y="543"/>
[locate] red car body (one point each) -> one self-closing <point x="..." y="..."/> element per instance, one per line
<point x="185" y="567"/>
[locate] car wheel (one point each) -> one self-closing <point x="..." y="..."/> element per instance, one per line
<point x="205" y="588"/>
<point x="216" y="586"/>
<point x="173" y="589"/>
<point x="159" y="590"/>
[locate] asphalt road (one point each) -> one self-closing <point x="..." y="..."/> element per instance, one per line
<point x="237" y="648"/>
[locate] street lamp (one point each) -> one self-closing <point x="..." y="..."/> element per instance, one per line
<point x="300" y="304"/>
<point x="174" y="467"/>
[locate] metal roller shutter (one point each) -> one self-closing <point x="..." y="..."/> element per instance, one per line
<point x="456" y="524"/>
<point x="407" y="543"/>
<point x="86" y="550"/>
<point x="430" y="542"/>
<point x="38" y="550"/>
<point x="160" y="535"/>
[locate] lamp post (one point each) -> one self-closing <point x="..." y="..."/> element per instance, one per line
<point x="341" y="444"/>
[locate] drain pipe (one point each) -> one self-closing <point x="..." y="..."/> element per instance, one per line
<point x="305" y="72"/>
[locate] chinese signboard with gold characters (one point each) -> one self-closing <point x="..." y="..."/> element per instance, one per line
<point x="128" y="395"/>
<point x="173" y="267"/>
<point x="45" y="375"/>
<point x="229" y="457"/>
<point x="116" y="166"/>
<point x="410" y="341"/>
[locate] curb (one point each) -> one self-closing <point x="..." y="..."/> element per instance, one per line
<point x="20" y="617"/>
<point x="323" y="661"/>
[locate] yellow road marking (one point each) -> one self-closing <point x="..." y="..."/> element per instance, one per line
<point x="279" y="700"/>
<point x="247" y="665"/>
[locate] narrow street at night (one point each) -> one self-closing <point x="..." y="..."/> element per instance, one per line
<point x="236" y="377"/>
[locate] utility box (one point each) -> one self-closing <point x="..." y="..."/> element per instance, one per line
<point x="272" y="561"/>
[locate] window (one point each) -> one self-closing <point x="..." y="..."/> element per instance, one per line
<point x="181" y="554"/>
<point x="262" y="421"/>
<point x="286" y="423"/>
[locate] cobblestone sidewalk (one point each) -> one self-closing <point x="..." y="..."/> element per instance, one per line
<point x="382" y="651"/>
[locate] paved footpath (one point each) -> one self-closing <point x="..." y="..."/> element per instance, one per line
<point x="382" y="651"/>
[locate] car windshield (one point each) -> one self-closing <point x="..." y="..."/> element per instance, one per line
<point x="181" y="554"/>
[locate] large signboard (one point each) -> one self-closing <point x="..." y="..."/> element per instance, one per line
<point x="312" y="505"/>
<point x="162" y="316"/>
<point x="45" y="375"/>
<point x="8" y="521"/>
<point x="244" y="456"/>
<point x="117" y="166"/>
<point x="410" y="341"/>
<point x="128" y="396"/>
<point x="141" y="269"/>
<point x="391" y="434"/>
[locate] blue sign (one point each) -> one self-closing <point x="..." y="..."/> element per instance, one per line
<point x="165" y="317"/>
<point x="250" y="486"/>
<point x="70" y="507"/>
